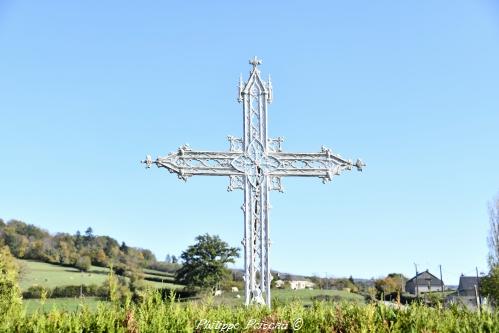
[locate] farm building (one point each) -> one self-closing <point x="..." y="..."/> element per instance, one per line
<point x="423" y="282"/>
<point x="465" y="293"/>
<point x="467" y="285"/>
<point x="295" y="282"/>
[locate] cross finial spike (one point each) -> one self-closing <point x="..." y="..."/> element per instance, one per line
<point x="255" y="62"/>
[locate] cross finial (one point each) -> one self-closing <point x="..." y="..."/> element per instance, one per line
<point x="255" y="62"/>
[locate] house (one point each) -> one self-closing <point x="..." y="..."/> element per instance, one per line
<point x="465" y="293"/>
<point x="467" y="285"/>
<point x="295" y="282"/>
<point x="301" y="284"/>
<point x="423" y="282"/>
<point x="279" y="284"/>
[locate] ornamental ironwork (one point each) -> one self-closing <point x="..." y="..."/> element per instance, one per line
<point x="255" y="163"/>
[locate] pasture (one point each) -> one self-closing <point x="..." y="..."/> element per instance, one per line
<point x="50" y="276"/>
<point x="283" y="296"/>
<point x="61" y="304"/>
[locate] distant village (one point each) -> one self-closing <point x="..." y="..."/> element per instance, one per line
<point x="425" y="283"/>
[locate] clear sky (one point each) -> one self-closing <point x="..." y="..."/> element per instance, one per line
<point x="88" y="88"/>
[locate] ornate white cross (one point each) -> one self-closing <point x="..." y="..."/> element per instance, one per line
<point x="255" y="163"/>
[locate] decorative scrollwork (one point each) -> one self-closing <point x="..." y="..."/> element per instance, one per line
<point x="276" y="184"/>
<point x="255" y="164"/>
<point x="274" y="144"/>
<point x="236" y="183"/>
<point x="236" y="144"/>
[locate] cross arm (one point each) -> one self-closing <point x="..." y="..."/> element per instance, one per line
<point x="323" y="164"/>
<point x="186" y="162"/>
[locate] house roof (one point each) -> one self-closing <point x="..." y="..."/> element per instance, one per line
<point x="423" y="277"/>
<point x="467" y="282"/>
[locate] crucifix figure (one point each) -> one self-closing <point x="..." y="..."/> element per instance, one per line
<point x="255" y="164"/>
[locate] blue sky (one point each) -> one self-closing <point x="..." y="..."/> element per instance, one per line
<point x="88" y="88"/>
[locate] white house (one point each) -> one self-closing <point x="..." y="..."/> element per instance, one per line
<point x="295" y="283"/>
<point x="301" y="284"/>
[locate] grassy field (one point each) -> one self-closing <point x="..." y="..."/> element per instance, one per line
<point x="305" y="296"/>
<point x="229" y="299"/>
<point x="167" y="279"/>
<point x="66" y="304"/>
<point x="50" y="276"/>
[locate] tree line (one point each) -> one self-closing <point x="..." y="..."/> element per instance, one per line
<point x="80" y="250"/>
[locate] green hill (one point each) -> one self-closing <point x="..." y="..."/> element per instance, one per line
<point x="50" y="276"/>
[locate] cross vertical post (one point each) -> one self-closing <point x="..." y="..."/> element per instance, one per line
<point x="255" y="163"/>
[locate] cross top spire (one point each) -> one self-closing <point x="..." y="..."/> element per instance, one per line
<point x="255" y="62"/>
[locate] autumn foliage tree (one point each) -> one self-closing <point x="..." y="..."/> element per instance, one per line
<point x="391" y="284"/>
<point x="26" y="241"/>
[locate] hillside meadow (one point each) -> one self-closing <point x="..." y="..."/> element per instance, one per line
<point x="51" y="276"/>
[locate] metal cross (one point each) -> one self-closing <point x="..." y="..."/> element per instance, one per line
<point x="254" y="163"/>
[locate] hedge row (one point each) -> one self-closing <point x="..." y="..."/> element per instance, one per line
<point x="66" y="291"/>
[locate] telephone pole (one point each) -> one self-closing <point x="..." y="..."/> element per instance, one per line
<point x="441" y="282"/>
<point x="477" y="291"/>
<point x="417" y="286"/>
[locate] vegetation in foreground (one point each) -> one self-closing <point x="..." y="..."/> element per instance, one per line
<point x="153" y="314"/>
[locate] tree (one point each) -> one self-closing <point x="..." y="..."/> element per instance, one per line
<point x="101" y="258"/>
<point x="78" y="239"/>
<point x="493" y="238"/>
<point x="489" y="285"/>
<point x="124" y="247"/>
<point x="204" y="263"/>
<point x="393" y="283"/>
<point x="343" y="283"/>
<point x="83" y="263"/>
<point x="10" y="294"/>
<point x="89" y="235"/>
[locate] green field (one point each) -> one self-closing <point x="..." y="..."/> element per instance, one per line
<point x="66" y="304"/>
<point x="228" y="299"/>
<point x="305" y="296"/>
<point x="50" y="276"/>
<point x="168" y="279"/>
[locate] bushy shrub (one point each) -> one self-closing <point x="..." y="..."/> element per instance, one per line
<point x="36" y="291"/>
<point x="83" y="263"/>
<point x="10" y="294"/>
<point x="328" y="298"/>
